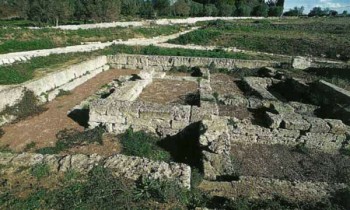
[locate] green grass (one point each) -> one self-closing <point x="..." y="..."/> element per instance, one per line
<point x="143" y="145"/>
<point x="326" y="37"/>
<point x="21" y="72"/>
<point x="22" y="39"/>
<point x="70" y="138"/>
<point x="101" y="190"/>
<point x="153" y="50"/>
<point x="40" y="170"/>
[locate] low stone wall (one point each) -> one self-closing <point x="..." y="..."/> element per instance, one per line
<point x="118" y="116"/>
<point x="264" y="188"/>
<point x="300" y="62"/>
<point x="165" y="63"/>
<point x="47" y="87"/>
<point x="122" y="166"/>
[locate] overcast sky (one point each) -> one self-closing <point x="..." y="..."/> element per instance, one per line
<point x="339" y="5"/>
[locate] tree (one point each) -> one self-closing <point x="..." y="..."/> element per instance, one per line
<point x="210" y="10"/>
<point x="261" y="10"/>
<point x="182" y="8"/>
<point x="59" y="10"/>
<point x="162" y="7"/>
<point x="344" y="13"/>
<point x="333" y="13"/>
<point x="196" y="9"/>
<point x="226" y="9"/>
<point x="147" y="10"/>
<point x="275" y="11"/>
<point x="296" y="11"/>
<point x="244" y="10"/>
<point x="318" y="11"/>
<point x="130" y="7"/>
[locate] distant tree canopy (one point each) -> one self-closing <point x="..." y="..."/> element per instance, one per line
<point x="58" y="11"/>
<point x="296" y="11"/>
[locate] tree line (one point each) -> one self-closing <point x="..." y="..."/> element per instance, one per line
<point x="57" y="11"/>
<point x="314" y="12"/>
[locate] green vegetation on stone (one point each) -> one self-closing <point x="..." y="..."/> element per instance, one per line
<point x="40" y="170"/>
<point x="143" y="145"/>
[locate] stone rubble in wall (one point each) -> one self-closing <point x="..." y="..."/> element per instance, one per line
<point x="121" y="165"/>
<point x="290" y="123"/>
<point x="165" y="63"/>
<point x="264" y="188"/>
<point x="121" y="111"/>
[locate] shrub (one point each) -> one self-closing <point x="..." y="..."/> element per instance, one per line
<point x="63" y="93"/>
<point x="29" y="146"/>
<point x="143" y="145"/>
<point x="301" y="148"/>
<point x="40" y="170"/>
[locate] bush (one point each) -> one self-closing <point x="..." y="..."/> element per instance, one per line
<point x="142" y="144"/>
<point x="40" y="170"/>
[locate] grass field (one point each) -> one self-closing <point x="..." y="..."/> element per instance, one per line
<point x="14" y="39"/>
<point x="322" y="37"/>
<point x="36" y="67"/>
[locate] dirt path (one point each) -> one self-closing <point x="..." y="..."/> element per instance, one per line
<point x="42" y="129"/>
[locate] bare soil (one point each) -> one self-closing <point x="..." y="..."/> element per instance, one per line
<point x="110" y="146"/>
<point x="281" y="162"/>
<point x="42" y="129"/>
<point x="163" y="91"/>
<point x="224" y="84"/>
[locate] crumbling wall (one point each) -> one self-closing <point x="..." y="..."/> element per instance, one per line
<point x="122" y="166"/>
<point x="165" y="63"/>
<point x="47" y="87"/>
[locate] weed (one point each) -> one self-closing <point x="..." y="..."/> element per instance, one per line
<point x="2" y="132"/>
<point x="29" y="146"/>
<point x="71" y="175"/>
<point x="143" y="145"/>
<point x="70" y="138"/>
<point x="5" y="148"/>
<point x="40" y="170"/>
<point x="28" y="106"/>
<point x="301" y="148"/>
<point x="63" y="93"/>
<point x="232" y="123"/>
<point x="216" y="96"/>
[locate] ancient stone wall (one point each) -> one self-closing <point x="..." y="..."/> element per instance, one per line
<point x="165" y="63"/>
<point x="47" y="87"/>
<point x="122" y="166"/>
